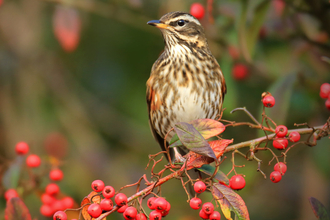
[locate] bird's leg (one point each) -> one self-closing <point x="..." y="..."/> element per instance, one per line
<point x="177" y="156"/>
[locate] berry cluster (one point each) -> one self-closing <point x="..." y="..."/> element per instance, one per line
<point x="325" y="94"/>
<point x="160" y="208"/>
<point x="281" y="142"/>
<point x="207" y="209"/>
<point x="279" y="170"/>
<point x="51" y="199"/>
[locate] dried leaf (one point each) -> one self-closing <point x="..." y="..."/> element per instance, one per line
<point x="230" y="201"/>
<point x="193" y="140"/>
<point x="318" y="208"/>
<point x="16" y="209"/>
<point x="91" y="198"/>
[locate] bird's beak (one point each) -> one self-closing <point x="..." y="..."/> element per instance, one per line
<point x="158" y="24"/>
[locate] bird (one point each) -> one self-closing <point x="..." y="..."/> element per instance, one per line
<point x="186" y="82"/>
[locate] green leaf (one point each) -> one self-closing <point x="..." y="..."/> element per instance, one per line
<point x="209" y="170"/>
<point x="193" y="140"/>
<point x="175" y="141"/>
<point x="208" y="127"/>
<point x="248" y="35"/>
<point x="11" y="177"/>
<point x="318" y="208"/>
<point x="230" y="201"/>
<point x="282" y="91"/>
<point x="252" y="34"/>
<point x="16" y="209"/>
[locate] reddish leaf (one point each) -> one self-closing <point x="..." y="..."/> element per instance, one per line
<point x="67" y="27"/>
<point x="209" y="170"/>
<point x="195" y="160"/>
<point x="208" y="127"/>
<point x="318" y="208"/>
<point x="230" y="201"/>
<point x="193" y="140"/>
<point x="16" y="209"/>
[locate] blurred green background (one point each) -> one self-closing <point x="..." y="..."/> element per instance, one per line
<point x="87" y="105"/>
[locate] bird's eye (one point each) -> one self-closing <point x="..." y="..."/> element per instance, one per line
<point x="181" y="22"/>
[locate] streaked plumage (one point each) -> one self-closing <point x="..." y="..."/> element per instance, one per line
<point x="186" y="81"/>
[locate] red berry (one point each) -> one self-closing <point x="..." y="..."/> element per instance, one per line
<point x="58" y="205"/>
<point x="325" y="90"/>
<point x="240" y="71"/>
<point x="151" y="203"/>
<point x="215" y="216"/>
<point x="94" y="210"/>
<point x="195" y="203"/>
<point x="46" y="210"/>
<point x="208" y="208"/>
<point x="237" y="182"/>
<point x="60" y="215"/>
<point x="130" y="213"/>
<point x="106" y="204"/>
<point x="203" y="215"/>
<point x="294" y="136"/>
<point x="141" y="216"/>
<point x="280" y="167"/>
<point x="167" y="209"/>
<point x="121" y="199"/>
<point x="197" y="10"/>
<point x="56" y="175"/>
<point x="268" y="101"/>
<point x="122" y="209"/>
<point x="160" y="204"/>
<point x="280" y="144"/>
<point x="10" y="193"/>
<point x="52" y="189"/>
<point x="47" y="199"/>
<point x="33" y="160"/>
<point x="21" y="148"/>
<point x="275" y="176"/>
<point x="327" y="103"/>
<point x="155" y="215"/>
<point x="199" y="187"/>
<point x="108" y="192"/>
<point x="67" y="202"/>
<point x="281" y="131"/>
<point x="97" y="185"/>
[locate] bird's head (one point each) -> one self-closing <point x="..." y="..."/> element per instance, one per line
<point x="181" y="28"/>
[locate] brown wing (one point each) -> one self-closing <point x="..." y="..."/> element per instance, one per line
<point x="152" y="106"/>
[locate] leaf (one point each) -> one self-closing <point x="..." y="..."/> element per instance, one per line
<point x="208" y="127"/>
<point x="175" y="141"/>
<point x="195" y="160"/>
<point x="16" y="209"/>
<point x="209" y="170"/>
<point x="193" y="140"/>
<point x="91" y="198"/>
<point x="230" y="201"/>
<point x="252" y="34"/>
<point x="248" y="35"/>
<point x="318" y="208"/>
<point x="11" y="176"/>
